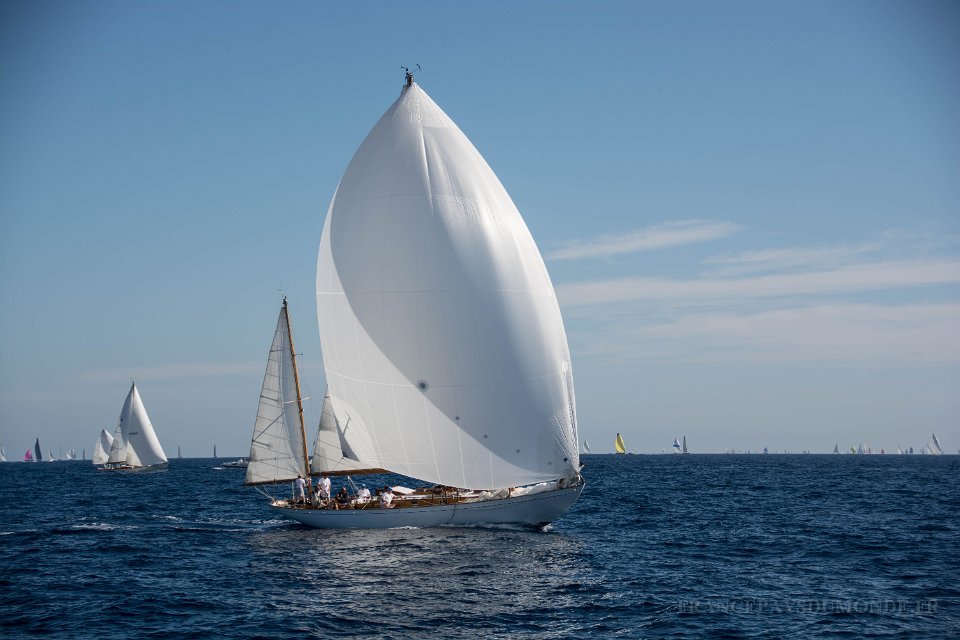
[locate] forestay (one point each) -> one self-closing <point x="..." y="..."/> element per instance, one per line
<point x="276" y="449"/>
<point x="443" y="344"/>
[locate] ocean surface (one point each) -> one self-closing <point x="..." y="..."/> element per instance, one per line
<point x="800" y="546"/>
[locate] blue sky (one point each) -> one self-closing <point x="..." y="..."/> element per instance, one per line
<point x="750" y="210"/>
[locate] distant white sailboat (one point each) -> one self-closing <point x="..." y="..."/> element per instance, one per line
<point x="836" y="448"/>
<point x="933" y="447"/>
<point x="3" y="454"/>
<point x="135" y="445"/>
<point x="676" y="446"/>
<point x="684" y="448"/>
<point x="101" y="448"/>
<point x="586" y="447"/>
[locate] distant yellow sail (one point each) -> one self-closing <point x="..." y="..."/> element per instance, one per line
<point x="619" y="444"/>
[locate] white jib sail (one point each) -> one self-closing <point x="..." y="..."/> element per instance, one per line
<point x="118" y="450"/>
<point x="143" y="447"/>
<point x="276" y="449"/>
<point x="443" y="344"/>
<point x="327" y="451"/>
<point x="101" y="450"/>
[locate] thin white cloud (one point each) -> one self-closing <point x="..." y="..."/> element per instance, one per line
<point x="174" y="371"/>
<point x="668" y="234"/>
<point x="902" y="335"/>
<point x="845" y="279"/>
<point x="791" y="258"/>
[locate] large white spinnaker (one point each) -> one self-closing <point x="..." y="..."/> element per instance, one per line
<point x="277" y="447"/>
<point x="443" y="345"/>
<point x="101" y="450"/>
<point x="143" y="447"/>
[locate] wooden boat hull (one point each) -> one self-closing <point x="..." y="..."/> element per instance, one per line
<point x="535" y="510"/>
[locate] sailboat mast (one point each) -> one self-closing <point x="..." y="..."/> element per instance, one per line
<point x="296" y="379"/>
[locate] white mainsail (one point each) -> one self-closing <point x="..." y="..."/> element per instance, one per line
<point x="3" y="454"/>
<point x="328" y="454"/>
<point x="277" y="447"/>
<point x="101" y="450"/>
<point x="142" y="446"/>
<point x="586" y="447"/>
<point x="444" y="348"/>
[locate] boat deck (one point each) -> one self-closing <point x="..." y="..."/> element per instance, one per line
<point x="425" y="497"/>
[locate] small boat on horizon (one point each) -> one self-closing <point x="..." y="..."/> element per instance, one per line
<point x="618" y="445"/>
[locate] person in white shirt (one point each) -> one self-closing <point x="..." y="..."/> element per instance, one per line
<point x="386" y="498"/>
<point x="364" y="496"/>
<point x="298" y="486"/>
<point x="323" y="486"/>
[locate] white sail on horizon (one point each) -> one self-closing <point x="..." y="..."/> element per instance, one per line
<point x="444" y="348"/>
<point x="101" y="449"/>
<point x="933" y="446"/>
<point x="142" y="446"/>
<point x="118" y="450"/>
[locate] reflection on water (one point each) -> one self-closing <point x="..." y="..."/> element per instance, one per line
<point x="444" y="573"/>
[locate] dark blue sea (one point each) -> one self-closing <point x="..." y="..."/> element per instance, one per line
<point x="737" y="546"/>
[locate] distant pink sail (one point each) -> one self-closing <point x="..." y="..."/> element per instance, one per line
<point x="27" y="457"/>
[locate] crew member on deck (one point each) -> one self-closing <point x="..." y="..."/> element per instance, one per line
<point x="386" y="498"/>
<point x="363" y="496"/>
<point x="298" y="486"/>
<point x="343" y="499"/>
<point x="323" y="486"/>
